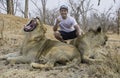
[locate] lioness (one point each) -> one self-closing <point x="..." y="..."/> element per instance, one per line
<point x="90" y="45"/>
<point x="36" y="45"/>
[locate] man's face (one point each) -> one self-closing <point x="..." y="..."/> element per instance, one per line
<point x="63" y="13"/>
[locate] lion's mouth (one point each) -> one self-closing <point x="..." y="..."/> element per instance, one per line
<point x="30" y="26"/>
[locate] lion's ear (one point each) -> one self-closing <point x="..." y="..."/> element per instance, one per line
<point x="99" y="29"/>
<point x="38" y="18"/>
<point x="45" y="29"/>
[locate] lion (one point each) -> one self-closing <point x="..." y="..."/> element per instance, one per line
<point x="91" y="46"/>
<point x="36" y="45"/>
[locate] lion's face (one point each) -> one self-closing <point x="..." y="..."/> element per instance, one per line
<point x="35" y="30"/>
<point x="31" y="25"/>
<point x="98" y="37"/>
<point x="34" y="25"/>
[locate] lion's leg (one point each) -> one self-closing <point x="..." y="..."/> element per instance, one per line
<point x="74" y="63"/>
<point x="19" y="59"/>
<point x="91" y="61"/>
<point x="63" y="60"/>
<point x="49" y="64"/>
<point x="4" y="57"/>
<point x="97" y="61"/>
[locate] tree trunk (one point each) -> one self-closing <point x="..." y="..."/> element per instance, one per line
<point x="118" y="22"/>
<point x="44" y="9"/>
<point x="10" y="7"/>
<point x="26" y="9"/>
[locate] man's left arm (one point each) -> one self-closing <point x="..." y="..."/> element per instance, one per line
<point x="78" y="30"/>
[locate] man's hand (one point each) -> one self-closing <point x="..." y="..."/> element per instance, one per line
<point x="79" y="33"/>
<point x="56" y="25"/>
<point x="58" y="21"/>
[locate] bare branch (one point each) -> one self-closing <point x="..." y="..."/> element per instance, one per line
<point x="44" y="2"/>
<point x="100" y="0"/>
<point x="3" y="3"/>
<point x="35" y="5"/>
<point x="109" y="10"/>
<point x="16" y="6"/>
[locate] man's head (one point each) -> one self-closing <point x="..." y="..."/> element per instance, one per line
<point x="63" y="11"/>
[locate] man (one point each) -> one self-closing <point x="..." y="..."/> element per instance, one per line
<point x="69" y="29"/>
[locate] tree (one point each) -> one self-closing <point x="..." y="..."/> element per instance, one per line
<point x="80" y="8"/>
<point x="51" y="15"/>
<point x="23" y="9"/>
<point x="10" y="7"/>
<point x="26" y="9"/>
<point x="41" y="11"/>
<point x="44" y="9"/>
<point x="118" y="21"/>
<point x="3" y="5"/>
<point x="102" y="19"/>
<point x="38" y="10"/>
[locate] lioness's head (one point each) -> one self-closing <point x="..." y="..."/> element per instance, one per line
<point x="34" y="24"/>
<point x="91" y="38"/>
<point x="97" y="36"/>
<point x="35" y="29"/>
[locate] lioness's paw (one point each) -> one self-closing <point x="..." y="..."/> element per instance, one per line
<point x="35" y="65"/>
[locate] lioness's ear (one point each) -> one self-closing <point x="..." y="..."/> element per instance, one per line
<point x="38" y="18"/>
<point x="99" y="29"/>
<point x="45" y="29"/>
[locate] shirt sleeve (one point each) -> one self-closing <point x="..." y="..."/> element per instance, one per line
<point x="74" y="22"/>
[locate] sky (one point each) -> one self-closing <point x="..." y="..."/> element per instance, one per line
<point x="104" y="5"/>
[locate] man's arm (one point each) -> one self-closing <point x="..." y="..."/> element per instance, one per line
<point x="56" y="25"/>
<point x="78" y="29"/>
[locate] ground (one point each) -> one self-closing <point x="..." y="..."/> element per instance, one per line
<point x="12" y="39"/>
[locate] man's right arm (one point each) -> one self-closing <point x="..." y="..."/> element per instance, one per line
<point x="56" y="25"/>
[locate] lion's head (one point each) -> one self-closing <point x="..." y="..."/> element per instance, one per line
<point x="91" y="38"/>
<point x="97" y="37"/>
<point x="35" y="29"/>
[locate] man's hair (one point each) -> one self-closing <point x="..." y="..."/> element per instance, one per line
<point x="63" y="7"/>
